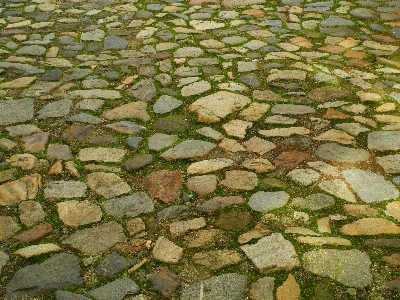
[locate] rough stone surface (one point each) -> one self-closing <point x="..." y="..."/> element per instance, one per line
<point x="265" y="201"/>
<point x="107" y="185"/>
<point x="59" y="271"/>
<point x="272" y="253"/>
<point x="129" y="206"/>
<point x="226" y="286"/>
<point x="164" y="185"/>
<point x="97" y="239"/>
<point x="166" y="251"/>
<point x="370" y="187"/>
<point x="349" y="267"/>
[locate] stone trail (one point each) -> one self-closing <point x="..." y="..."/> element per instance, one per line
<point x="190" y="149"/>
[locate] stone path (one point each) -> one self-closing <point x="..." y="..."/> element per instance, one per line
<point x="202" y="149"/>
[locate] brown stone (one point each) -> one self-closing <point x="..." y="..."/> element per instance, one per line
<point x="370" y="226"/>
<point x="7" y="227"/>
<point x="166" y="251"/>
<point x="181" y="227"/>
<point x="328" y="93"/>
<point x="360" y="210"/>
<point x="382" y="243"/>
<point x="74" y="213"/>
<point x="216" y="259"/>
<point x="289" y="290"/>
<point x="35" y="143"/>
<point x="301" y="41"/>
<point x="204" y="238"/>
<point x="392" y="260"/>
<point x="202" y="185"/>
<point x="35" y="234"/>
<point x="77" y="132"/>
<point x="332" y="113"/>
<point x="359" y="63"/>
<point x="56" y="169"/>
<point x="131" y="110"/>
<point x="30" y="212"/>
<point x="355" y="54"/>
<point x="290" y="159"/>
<point x="164" y="185"/>
<point x="164" y="281"/>
<point x="332" y="49"/>
<point x="385" y="39"/>
<point x="25" y="188"/>
<point x="234" y="221"/>
<point x="254" y="12"/>
<point x="220" y="202"/>
<point x="240" y="180"/>
<point x="18" y="83"/>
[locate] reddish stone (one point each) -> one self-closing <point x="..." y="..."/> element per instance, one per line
<point x="290" y="159"/>
<point x="135" y="249"/>
<point x="332" y="113"/>
<point x="164" y="185"/>
<point x="201" y="2"/>
<point x="394" y="285"/>
<point x="77" y="132"/>
<point x="36" y="233"/>
<point x="392" y="260"/>
<point x="164" y="281"/>
<point x="35" y="143"/>
<point x="355" y="54"/>
<point x="384" y="39"/>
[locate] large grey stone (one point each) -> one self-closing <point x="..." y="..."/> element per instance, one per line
<point x="116" y="290"/>
<point x="16" y="111"/>
<point x="390" y="163"/>
<point x="188" y="149"/>
<point x="65" y="189"/>
<point x="370" y="187"/>
<point x="59" y="271"/>
<point x="384" y="140"/>
<point x="265" y="201"/>
<point x="338" y="153"/>
<point x="64" y="295"/>
<point x="114" y="43"/>
<point x="55" y="109"/>
<point x="226" y="286"/>
<point x="272" y="253"/>
<point x="349" y="267"/>
<point x="129" y="206"/>
<point x="96" y="240"/>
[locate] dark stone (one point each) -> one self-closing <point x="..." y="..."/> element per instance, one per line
<point x="113" y="264"/>
<point x="251" y="80"/>
<point x="241" y="223"/>
<point x="396" y="32"/>
<point x="337" y="31"/>
<point x="69" y="53"/>
<point x="211" y="70"/>
<point x="77" y="132"/>
<point x="144" y="90"/>
<point x="114" y="43"/>
<point x="133" y="142"/>
<point x="138" y="162"/>
<point x="290" y="159"/>
<point x="174" y="212"/>
<point x="59" y="271"/>
<point x="53" y="75"/>
<point x="111" y="74"/>
<point x="115" y="290"/>
<point x="164" y="281"/>
<point x="382" y="243"/>
<point x="322" y="292"/>
<point x="104" y="140"/>
<point x="174" y="123"/>
<point x="93" y="47"/>
<point x="165" y="35"/>
<point x="164" y="185"/>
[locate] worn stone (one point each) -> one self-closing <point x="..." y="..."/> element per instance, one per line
<point x="164" y="185"/>
<point x="97" y="239"/>
<point x="107" y="185"/>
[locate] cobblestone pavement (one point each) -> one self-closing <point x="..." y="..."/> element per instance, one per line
<point x="202" y="149"/>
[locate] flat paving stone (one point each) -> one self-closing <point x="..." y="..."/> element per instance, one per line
<point x="384" y="140"/>
<point x="370" y="187"/>
<point x="349" y="267"/>
<point x="96" y="240"/>
<point x="272" y="253"/>
<point x="337" y="153"/>
<point x="225" y="286"/>
<point x="16" y="111"/>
